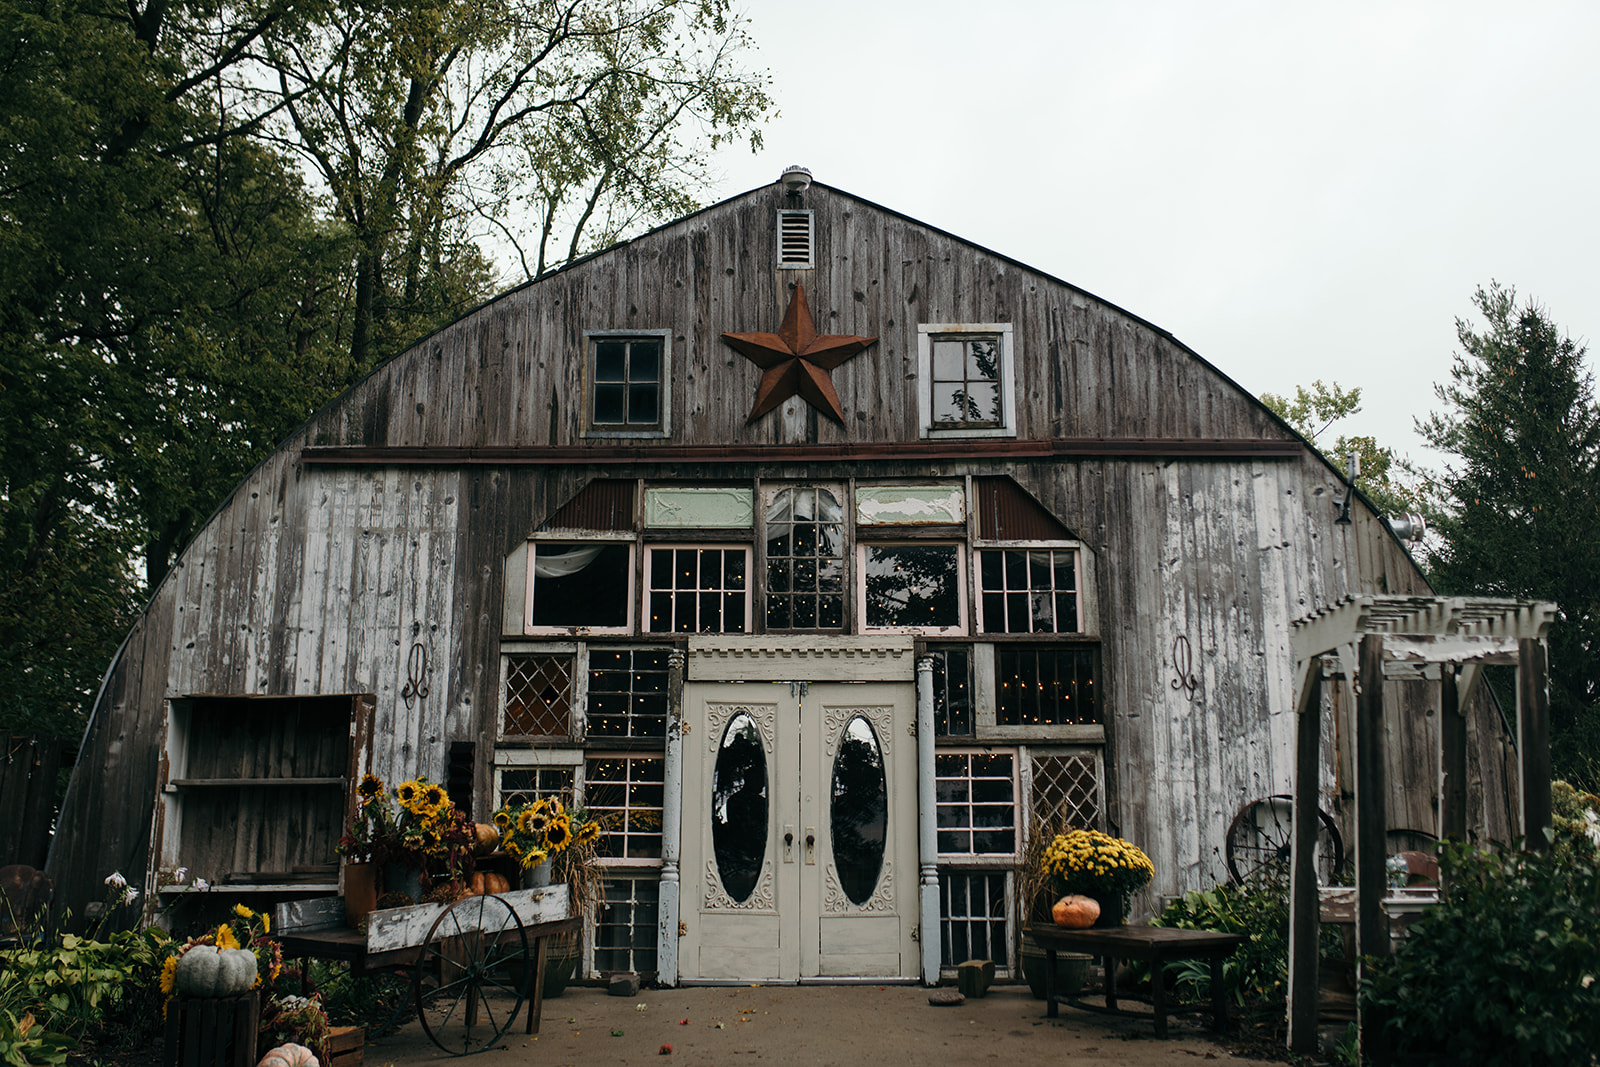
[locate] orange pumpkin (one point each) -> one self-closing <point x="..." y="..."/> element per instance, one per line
<point x="1075" y="912"/>
<point x="496" y="883"/>
<point x="476" y="889"/>
<point x="485" y="838"/>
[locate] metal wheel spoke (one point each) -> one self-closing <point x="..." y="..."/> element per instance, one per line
<point x="470" y="942"/>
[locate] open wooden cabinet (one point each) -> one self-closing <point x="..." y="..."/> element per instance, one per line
<point x="254" y="792"/>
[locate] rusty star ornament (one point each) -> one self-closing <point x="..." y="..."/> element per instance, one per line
<point x="797" y="360"/>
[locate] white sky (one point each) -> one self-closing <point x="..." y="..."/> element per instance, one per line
<point x="1295" y="191"/>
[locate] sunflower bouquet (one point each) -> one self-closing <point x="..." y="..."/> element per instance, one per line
<point x="1096" y="865"/>
<point x="413" y="825"/>
<point x="569" y="837"/>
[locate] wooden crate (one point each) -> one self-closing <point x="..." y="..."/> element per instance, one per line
<point x="212" y="1031"/>
<point x="344" y="1046"/>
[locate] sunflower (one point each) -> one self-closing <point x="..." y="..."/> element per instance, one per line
<point x="533" y="822"/>
<point x="225" y="938"/>
<point x="534" y="857"/>
<point x="169" y="972"/>
<point x="371" y="786"/>
<point x="555" y="809"/>
<point x="407" y="793"/>
<point x="558" y="835"/>
<point x="512" y="848"/>
<point x="590" y="831"/>
<point x="434" y="800"/>
<point x="502" y="820"/>
<point x="243" y="912"/>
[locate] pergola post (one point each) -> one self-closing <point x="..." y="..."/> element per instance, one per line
<point x="1372" y="804"/>
<point x="1304" y="900"/>
<point x="1533" y="742"/>
<point x="1452" y="757"/>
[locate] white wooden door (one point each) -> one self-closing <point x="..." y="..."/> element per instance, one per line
<point x="799" y="831"/>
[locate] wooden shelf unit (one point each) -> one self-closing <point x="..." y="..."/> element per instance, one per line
<point x="256" y="785"/>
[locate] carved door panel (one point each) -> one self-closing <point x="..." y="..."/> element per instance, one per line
<point x="799" y="832"/>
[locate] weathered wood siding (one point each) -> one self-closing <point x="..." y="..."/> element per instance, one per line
<point x="313" y="579"/>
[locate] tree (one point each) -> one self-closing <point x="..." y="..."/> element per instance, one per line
<point x="1313" y="411"/>
<point x="423" y="117"/>
<point x="1521" y="497"/>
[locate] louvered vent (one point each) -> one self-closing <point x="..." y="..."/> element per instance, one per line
<point x="794" y="240"/>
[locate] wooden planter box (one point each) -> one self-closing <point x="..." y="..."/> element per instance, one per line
<point x="212" y="1031"/>
<point x="344" y="1046"/>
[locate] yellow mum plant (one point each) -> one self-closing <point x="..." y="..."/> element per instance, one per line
<point x="1096" y="865"/>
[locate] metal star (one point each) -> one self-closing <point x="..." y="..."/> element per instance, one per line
<point x="797" y="360"/>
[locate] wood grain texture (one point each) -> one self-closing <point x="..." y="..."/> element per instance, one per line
<point x="318" y="579"/>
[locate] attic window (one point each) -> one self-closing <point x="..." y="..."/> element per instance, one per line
<point x="795" y="240"/>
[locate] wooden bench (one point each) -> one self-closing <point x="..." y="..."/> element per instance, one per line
<point x="1156" y="945"/>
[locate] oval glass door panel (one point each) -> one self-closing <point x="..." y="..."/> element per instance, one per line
<point x="739" y="807"/>
<point x="860" y="812"/>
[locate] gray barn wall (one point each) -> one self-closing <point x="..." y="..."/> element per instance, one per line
<point x="316" y="578"/>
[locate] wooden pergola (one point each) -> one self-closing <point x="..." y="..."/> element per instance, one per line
<point x="1371" y="639"/>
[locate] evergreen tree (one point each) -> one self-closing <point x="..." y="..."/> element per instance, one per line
<point x="1521" y="497"/>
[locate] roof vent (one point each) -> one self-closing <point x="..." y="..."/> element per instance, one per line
<point x="795" y="245"/>
<point x="796" y="180"/>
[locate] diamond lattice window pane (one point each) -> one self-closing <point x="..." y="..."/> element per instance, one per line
<point x="1066" y="792"/>
<point x="538" y="697"/>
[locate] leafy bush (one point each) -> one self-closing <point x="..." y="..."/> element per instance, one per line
<point x="1257" y="974"/>
<point x="1503" y="970"/>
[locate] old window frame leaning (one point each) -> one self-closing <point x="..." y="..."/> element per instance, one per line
<point x="771" y="493"/>
<point x="627" y="541"/>
<point x="627" y="832"/>
<point x="647" y="606"/>
<point x="662" y="425"/>
<point x="982" y="624"/>
<point x="928" y="334"/>
<point x="960" y="579"/>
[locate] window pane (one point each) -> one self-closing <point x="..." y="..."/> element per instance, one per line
<point x="644" y="364"/>
<point x="609" y="403"/>
<point x="805" y="539"/>
<point x="642" y="404"/>
<point x="949" y="403"/>
<point x="580" y="585"/>
<point x="948" y="361"/>
<point x="698" y="590"/>
<point x="610" y="361"/>
<point x="912" y="586"/>
<point x="983" y="361"/>
<point x="1045" y="687"/>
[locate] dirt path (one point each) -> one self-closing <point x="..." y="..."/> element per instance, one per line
<point x="816" y="1026"/>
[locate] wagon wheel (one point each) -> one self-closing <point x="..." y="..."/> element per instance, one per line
<point x="1259" y="838"/>
<point x="470" y="971"/>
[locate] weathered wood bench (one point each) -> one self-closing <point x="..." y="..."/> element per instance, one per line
<point x="1156" y="945"/>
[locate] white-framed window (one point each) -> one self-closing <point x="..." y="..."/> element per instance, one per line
<point x="966" y="380"/>
<point x="805" y="579"/>
<point x="625" y="926"/>
<point x="1028" y="589"/>
<point x="697" y="589"/>
<point x="579" y="587"/>
<point x="524" y="775"/>
<point x="627" y="383"/>
<point x="976" y="802"/>
<point x="626" y="793"/>
<point x="974" y="916"/>
<point x="627" y="693"/>
<point x="537" y="695"/>
<point x="913" y="587"/>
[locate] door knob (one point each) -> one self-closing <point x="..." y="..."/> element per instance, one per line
<point x="811" y="845"/>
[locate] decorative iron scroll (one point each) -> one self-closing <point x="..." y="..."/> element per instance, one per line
<point x="417" y="671"/>
<point x="1182" y="667"/>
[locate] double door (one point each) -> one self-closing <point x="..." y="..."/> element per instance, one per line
<point x="799" y="831"/>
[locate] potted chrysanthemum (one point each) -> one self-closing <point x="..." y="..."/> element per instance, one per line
<point x="1092" y="864"/>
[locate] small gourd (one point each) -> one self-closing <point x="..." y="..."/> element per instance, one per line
<point x="207" y="971"/>
<point x="477" y="886"/>
<point x="1076" y="912"/>
<point x="290" y="1055"/>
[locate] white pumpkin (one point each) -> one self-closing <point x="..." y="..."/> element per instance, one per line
<point x="207" y="971"/>
<point x="290" y="1055"/>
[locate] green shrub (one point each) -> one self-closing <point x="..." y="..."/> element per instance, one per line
<point x="1503" y="970"/>
<point x="1257" y="974"/>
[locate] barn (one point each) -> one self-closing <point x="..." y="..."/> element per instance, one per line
<point x="823" y="552"/>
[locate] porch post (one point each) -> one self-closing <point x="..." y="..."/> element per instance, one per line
<point x="671" y="821"/>
<point x="927" y="836"/>
<point x="1305" y="903"/>
<point x="1372" y="821"/>
<point x="1533" y="740"/>
<point x="1452" y="756"/>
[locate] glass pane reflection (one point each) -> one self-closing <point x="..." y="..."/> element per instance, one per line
<point x="860" y="812"/>
<point x="739" y="807"/>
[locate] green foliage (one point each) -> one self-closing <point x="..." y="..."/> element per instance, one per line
<point x="25" y="1043"/>
<point x="1315" y="410"/>
<point x="1520" y="511"/>
<point x="1255" y="976"/>
<point x="1503" y="970"/>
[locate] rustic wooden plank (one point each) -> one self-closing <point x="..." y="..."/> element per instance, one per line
<point x="315" y="913"/>
<point x="1533" y="722"/>
<point x="390" y="929"/>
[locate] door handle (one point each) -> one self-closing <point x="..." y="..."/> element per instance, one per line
<point x="788" y="844"/>
<point x="811" y="845"/>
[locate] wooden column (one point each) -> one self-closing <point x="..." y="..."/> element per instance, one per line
<point x="1533" y="730"/>
<point x="1304" y="901"/>
<point x="1372" y="808"/>
<point x="668" y="901"/>
<point x="1452" y="757"/>
<point x="927" y="827"/>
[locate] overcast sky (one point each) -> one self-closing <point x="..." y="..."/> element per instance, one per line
<point x="1295" y="191"/>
